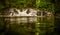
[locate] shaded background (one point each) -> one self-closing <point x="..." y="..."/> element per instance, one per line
<point x="47" y="5"/>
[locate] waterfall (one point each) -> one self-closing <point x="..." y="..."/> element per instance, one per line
<point x="24" y="13"/>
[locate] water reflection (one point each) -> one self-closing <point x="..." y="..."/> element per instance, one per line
<point x="26" y="25"/>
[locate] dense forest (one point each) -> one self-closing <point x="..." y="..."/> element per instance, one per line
<point x="42" y="27"/>
<point x="46" y="4"/>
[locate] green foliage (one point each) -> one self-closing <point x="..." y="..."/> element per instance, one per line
<point x="1" y="6"/>
<point x="20" y="3"/>
<point x="47" y="5"/>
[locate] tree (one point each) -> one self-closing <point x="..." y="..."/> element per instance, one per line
<point x="47" y="5"/>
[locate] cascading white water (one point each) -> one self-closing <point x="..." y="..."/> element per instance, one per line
<point x="23" y="13"/>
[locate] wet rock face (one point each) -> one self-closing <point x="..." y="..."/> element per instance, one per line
<point x="24" y="12"/>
